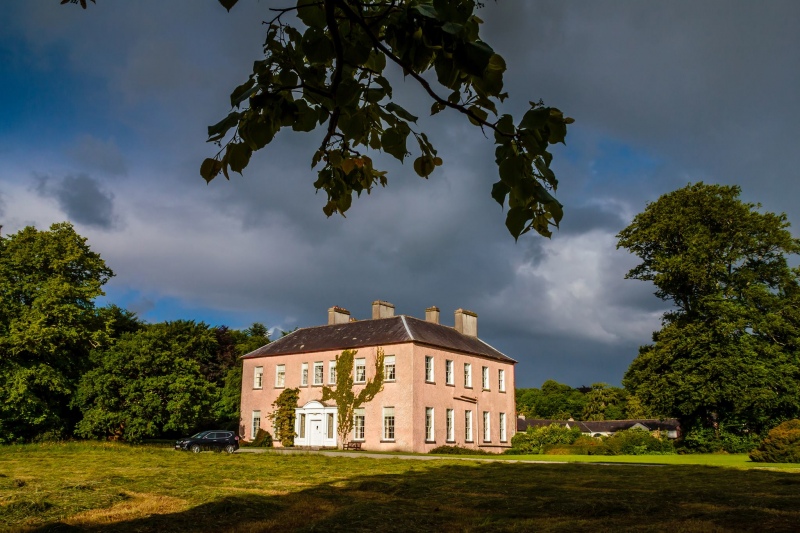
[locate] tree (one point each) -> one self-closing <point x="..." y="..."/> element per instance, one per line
<point x="48" y="324"/>
<point x="553" y="401"/>
<point x="148" y="383"/>
<point x="343" y="395"/>
<point x="727" y="355"/>
<point x="328" y="72"/>
<point x="604" y="403"/>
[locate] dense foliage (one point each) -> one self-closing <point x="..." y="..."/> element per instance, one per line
<point x="556" y="401"/>
<point x="534" y="439"/>
<point x="727" y="355"/>
<point x="283" y="416"/>
<point x="637" y="441"/>
<point x="327" y="69"/>
<point x="343" y="395"/>
<point x="70" y="368"/>
<point x="781" y="445"/>
<point x="457" y="450"/>
<point x="48" y="325"/>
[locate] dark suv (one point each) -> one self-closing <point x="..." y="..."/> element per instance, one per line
<point x="215" y="439"/>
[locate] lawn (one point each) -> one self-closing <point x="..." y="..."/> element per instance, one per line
<point x="97" y="487"/>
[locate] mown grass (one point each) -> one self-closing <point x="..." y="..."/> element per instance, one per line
<point x="722" y="459"/>
<point x="106" y="487"/>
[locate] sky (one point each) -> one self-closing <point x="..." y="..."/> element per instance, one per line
<point x="103" y="117"/>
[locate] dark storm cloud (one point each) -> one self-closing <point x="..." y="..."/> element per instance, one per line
<point x="81" y="198"/>
<point x="663" y="94"/>
<point x="96" y="155"/>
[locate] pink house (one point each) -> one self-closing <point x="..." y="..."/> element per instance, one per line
<point x="442" y="385"/>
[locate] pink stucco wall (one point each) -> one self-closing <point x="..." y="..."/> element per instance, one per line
<point x="409" y="394"/>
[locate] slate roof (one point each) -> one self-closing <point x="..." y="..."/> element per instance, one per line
<point x="377" y="332"/>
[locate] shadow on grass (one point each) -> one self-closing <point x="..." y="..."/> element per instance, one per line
<point x="503" y="497"/>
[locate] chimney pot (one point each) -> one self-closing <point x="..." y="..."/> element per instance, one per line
<point x="381" y="309"/>
<point x="466" y="322"/>
<point x="432" y="315"/>
<point x="338" y="315"/>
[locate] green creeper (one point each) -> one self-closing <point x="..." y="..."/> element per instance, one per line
<point x="347" y="401"/>
<point x="727" y="355"/>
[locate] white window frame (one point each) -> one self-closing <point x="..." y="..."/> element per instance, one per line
<point x="331" y="372"/>
<point x="360" y="371"/>
<point x="389" y="424"/>
<point x="468" y="426"/>
<point x="331" y="423"/>
<point x="501" y="379"/>
<point x="485" y="377"/>
<point x="255" y="424"/>
<point x="449" y="377"/>
<point x="450" y="425"/>
<point x="430" y="430"/>
<point x="468" y="375"/>
<point x="487" y="426"/>
<point x="503" y="434"/>
<point x="280" y="376"/>
<point x="319" y="372"/>
<point x="359" y="419"/>
<point x="429" y="369"/>
<point x="258" y="377"/>
<point x="389" y="368"/>
<point x="304" y="375"/>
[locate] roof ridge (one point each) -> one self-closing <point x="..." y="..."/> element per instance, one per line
<point x="495" y="349"/>
<point x="408" y="330"/>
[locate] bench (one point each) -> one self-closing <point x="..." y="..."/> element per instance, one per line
<point x="351" y="446"/>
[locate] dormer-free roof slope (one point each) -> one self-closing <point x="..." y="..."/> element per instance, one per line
<point x="378" y="332"/>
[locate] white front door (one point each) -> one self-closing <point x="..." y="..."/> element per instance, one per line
<point x="316" y="432"/>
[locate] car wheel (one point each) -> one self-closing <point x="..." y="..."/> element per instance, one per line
<point x="195" y="448"/>
<point x="230" y="448"/>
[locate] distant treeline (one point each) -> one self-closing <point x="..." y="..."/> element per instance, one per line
<point x="556" y="401"/>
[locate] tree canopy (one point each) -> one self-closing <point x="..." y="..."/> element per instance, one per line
<point x="48" y="325"/>
<point x="727" y="356"/>
<point x="326" y="68"/>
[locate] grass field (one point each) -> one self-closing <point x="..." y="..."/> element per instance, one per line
<point x="106" y="487"/>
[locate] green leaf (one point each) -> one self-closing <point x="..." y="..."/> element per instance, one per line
<point x="437" y="107"/>
<point x="512" y="170"/>
<point x="480" y="113"/>
<point x="306" y="118"/>
<point x="517" y="220"/>
<point x="426" y="11"/>
<point x="474" y="57"/>
<point x="209" y="169"/>
<point x="393" y="142"/>
<point x="499" y="192"/>
<point x="452" y="28"/>
<point x="227" y="4"/>
<point x="243" y="92"/>
<point x="312" y="13"/>
<point x="238" y="155"/>
<point x="218" y="130"/>
<point x="317" y="48"/>
<point x="400" y="112"/>
<point x="424" y="166"/>
<point x="535" y="119"/>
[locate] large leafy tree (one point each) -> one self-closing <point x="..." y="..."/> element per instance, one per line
<point x="49" y="281"/>
<point x="553" y="400"/>
<point x="727" y="356"/>
<point x="325" y="67"/>
<point x="148" y="383"/>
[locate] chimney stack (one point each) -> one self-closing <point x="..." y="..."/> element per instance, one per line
<point x="338" y="315"/>
<point x="432" y="315"/>
<point x="381" y="309"/>
<point x="467" y="322"/>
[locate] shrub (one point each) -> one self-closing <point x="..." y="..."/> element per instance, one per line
<point x="577" y="449"/>
<point x="707" y="440"/>
<point x="781" y="445"/>
<point x="535" y="438"/>
<point x="458" y="450"/>
<point x="637" y="441"/>
<point x="263" y="439"/>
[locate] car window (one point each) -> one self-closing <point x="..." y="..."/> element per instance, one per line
<point x="210" y="436"/>
<point x="198" y="435"/>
